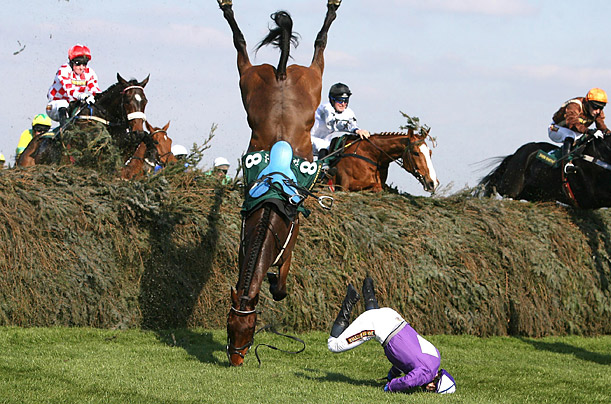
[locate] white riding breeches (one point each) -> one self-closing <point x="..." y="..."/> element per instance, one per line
<point x="559" y="133"/>
<point x="54" y="106"/>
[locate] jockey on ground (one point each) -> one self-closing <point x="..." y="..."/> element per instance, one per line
<point x="41" y="124"/>
<point x="574" y="118"/>
<point x="334" y="119"/>
<point x="73" y="81"/>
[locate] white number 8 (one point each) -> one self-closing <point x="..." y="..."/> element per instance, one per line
<point x="308" y="168"/>
<point x="252" y="160"/>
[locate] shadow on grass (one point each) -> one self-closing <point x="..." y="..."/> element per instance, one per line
<point x="562" y="348"/>
<point x="201" y="346"/>
<point x="338" y="377"/>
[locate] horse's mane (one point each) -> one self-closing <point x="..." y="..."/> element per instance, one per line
<point x="391" y="134"/>
<point x="114" y="89"/>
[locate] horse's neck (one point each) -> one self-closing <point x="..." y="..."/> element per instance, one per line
<point x="390" y="145"/>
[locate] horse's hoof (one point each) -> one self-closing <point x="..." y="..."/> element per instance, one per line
<point x="334" y="2"/>
<point x="228" y="2"/>
<point x="273" y="287"/>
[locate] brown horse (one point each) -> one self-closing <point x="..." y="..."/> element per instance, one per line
<point x="156" y="148"/>
<point x="280" y="103"/>
<point x="120" y="108"/>
<point x="363" y="164"/>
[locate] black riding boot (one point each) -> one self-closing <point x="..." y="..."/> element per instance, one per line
<point x="343" y="318"/>
<point x="567" y="145"/>
<point x="369" y="295"/>
<point x="63" y="116"/>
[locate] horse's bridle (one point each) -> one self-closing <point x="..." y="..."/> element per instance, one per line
<point x="231" y="349"/>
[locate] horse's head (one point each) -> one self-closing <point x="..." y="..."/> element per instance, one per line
<point x="133" y="101"/>
<point x="417" y="160"/>
<point x="241" y="323"/>
<point x="159" y="145"/>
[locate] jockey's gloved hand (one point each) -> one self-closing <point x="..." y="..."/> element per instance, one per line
<point x="607" y="132"/>
<point x="85" y="97"/>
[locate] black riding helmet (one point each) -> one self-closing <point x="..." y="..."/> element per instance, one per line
<point x="339" y="91"/>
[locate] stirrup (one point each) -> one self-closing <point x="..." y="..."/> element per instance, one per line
<point x="569" y="168"/>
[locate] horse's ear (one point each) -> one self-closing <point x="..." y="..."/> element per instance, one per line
<point x="167" y="125"/>
<point x="234" y="297"/>
<point x="149" y="126"/>
<point x="146" y="80"/>
<point x="121" y="79"/>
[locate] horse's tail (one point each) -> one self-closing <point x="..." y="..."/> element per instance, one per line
<point x="281" y="37"/>
<point x="490" y="182"/>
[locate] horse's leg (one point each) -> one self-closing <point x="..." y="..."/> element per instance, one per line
<point x="321" y="39"/>
<point x="238" y="38"/>
<point x="277" y="282"/>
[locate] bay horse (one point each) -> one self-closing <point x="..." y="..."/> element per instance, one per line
<point x="156" y="148"/>
<point x="120" y="108"/>
<point x="523" y="175"/>
<point x="363" y="164"/>
<point x="280" y="103"/>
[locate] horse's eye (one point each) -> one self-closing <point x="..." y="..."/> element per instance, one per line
<point x="415" y="153"/>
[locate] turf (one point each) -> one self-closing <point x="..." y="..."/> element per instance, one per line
<point x="85" y="365"/>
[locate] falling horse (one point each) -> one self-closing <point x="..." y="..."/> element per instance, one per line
<point x="120" y="108"/>
<point x="280" y="104"/>
<point x="155" y="149"/>
<point x="362" y="164"/>
<point x="532" y="175"/>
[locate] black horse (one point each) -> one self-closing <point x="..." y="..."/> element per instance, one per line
<point x="525" y="174"/>
<point x="120" y="108"/>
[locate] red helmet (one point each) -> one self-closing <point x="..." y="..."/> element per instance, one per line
<point x="79" y="50"/>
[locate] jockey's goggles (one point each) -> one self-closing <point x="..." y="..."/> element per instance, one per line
<point x="80" y="62"/>
<point x="40" y="128"/>
<point x="341" y="100"/>
<point x="597" y="104"/>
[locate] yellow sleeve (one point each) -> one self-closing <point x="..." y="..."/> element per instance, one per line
<point x="24" y="140"/>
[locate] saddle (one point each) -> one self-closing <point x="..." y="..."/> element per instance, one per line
<point x="278" y="172"/>
<point x="277" y="175"/>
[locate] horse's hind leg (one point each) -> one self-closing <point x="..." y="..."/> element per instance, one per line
<point x="321" y="39"/>
<point x="238" y="38"/>
<point x="277" y="282"/>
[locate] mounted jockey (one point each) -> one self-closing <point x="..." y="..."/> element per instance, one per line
<point x="415" y="361"/>
<point x="73" y="81"/>
<point x="574" y="118"/>
<point x="41" y="124"/>
<point x="334" y="119"/>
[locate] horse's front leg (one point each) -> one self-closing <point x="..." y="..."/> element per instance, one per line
<point x="277" y="282"/>
<point x="321" y="39"/>
<point x="238" y="38"/>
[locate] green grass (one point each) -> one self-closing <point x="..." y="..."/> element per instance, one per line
<point x="82" y="365"/>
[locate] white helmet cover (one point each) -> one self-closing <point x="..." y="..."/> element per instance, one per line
<point x="446" y="383"/>
<point x="221" y="161"/>
<point x="179" y="150"/>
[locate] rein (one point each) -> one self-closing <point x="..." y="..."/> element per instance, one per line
<point x="270" y="328"/>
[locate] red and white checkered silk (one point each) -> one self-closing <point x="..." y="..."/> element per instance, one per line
<point x="67" y="84"/>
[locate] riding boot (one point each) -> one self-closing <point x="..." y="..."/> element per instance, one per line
<point x="369" y="296"/>
<point x="569" y="168"/>
<point x="567" y="145"/>
<point x="343" y="318"/>
<point x="63" y="116"/>
<point x="322" y="153"/>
